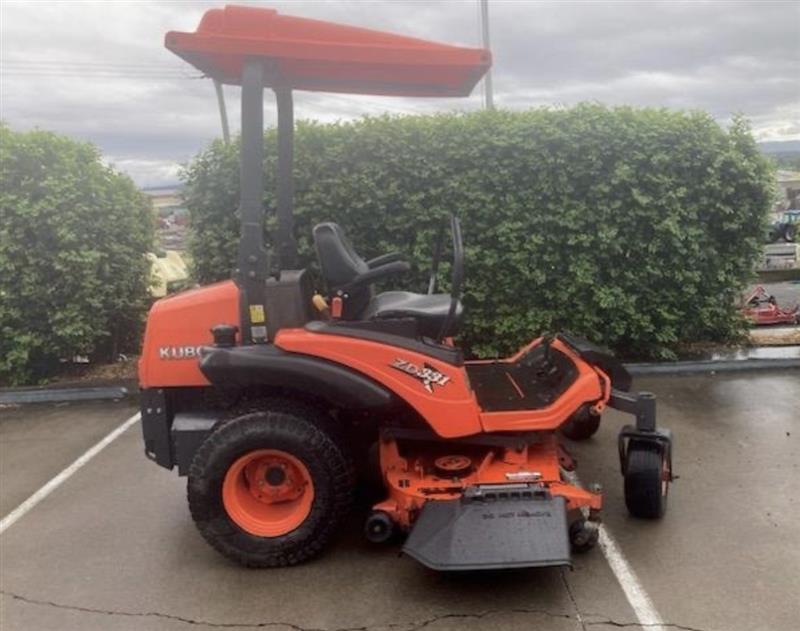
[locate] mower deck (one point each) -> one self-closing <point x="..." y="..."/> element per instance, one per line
<point x="482" y="502"/>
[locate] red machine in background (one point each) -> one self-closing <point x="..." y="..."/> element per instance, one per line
<point x="762" y="309"/>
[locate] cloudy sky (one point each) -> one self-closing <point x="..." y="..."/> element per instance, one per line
<point x="98" y="70"/>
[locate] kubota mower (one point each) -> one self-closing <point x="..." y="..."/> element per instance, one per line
<point x="265" y="394"/>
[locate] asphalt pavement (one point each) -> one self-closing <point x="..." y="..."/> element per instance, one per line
<point x="114" y="547"/>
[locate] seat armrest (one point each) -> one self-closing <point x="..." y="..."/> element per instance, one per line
<point x="376" y="274"/>
<point x="384" y="259"/>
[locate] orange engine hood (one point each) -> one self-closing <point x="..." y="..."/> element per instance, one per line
<point x="177" y="326"/>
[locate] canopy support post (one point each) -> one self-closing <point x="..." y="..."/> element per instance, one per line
<point x="252" y="259"/>
<point x="223" y="112"/>
<point x="286" y="243"/>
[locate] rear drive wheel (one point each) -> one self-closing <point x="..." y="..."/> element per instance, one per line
<point x="647" y="478"/>
<point x="581" y="425"/>
<point x="269" y="489"/>
<point x="790" y="232"/>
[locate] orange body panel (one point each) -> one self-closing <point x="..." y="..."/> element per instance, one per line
<point x="450" y="407"/>
<point x="591" y="386"/>
<point x="177" y="326"/>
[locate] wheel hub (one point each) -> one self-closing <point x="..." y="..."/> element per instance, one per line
<point x="268" y="492"/>
<point x="274" y="479"/>
<point x="275" y="476"/>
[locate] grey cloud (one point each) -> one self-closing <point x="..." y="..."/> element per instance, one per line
<point x="723" y="57"/>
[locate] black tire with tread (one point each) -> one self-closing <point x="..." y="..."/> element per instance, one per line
<point x="581" y="426"/>
<point x="302" y="409"/>
<point x="644" y="493"/>
<point x="585" y="546"/>
<point x="296" y="429"/>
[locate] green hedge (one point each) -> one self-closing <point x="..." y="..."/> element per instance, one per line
<point x="73" y="275"/>
<point x="634" y="227"/>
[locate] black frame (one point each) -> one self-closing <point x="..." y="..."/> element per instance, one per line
<point x="457" y="279"/>
<point x="253" y="260"/>
<point x="643" y="406"/>
<point x="156" y="426"/>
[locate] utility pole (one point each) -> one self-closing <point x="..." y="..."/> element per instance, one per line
<point x="487" y="79"/>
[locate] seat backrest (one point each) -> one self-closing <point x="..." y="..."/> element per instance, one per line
<point x="338" y="259"/>
<point x="340" y="264"/>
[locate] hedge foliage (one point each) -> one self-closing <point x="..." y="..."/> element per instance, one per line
<point x="73" y="275"/>
<point x="634" y="227"/>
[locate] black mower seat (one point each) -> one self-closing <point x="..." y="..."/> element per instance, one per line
<point x="429" y="310"/>
<point x="347" y="273"/>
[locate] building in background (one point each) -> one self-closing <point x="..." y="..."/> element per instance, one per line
<point x="788" y="190"/>
<point x="169" y="267"/>
<point x="166" y="199"/>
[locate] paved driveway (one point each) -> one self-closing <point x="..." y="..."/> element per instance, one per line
<point x="114" y="547"/>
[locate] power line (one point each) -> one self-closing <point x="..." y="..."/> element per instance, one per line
<point x="62" y="62"/>
<point x="97" y="72"/>
<point x="92" y="70"/>
<point x="104" y="69"/>
<point x="78" y="74"/>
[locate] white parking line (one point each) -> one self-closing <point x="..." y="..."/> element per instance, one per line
<point x="20" y="511"/>
<point x="639" y="600"/>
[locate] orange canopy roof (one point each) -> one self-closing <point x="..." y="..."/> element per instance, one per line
<point x="313" y="55"/>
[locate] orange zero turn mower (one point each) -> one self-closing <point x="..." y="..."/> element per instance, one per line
<point x="266" y="394"/>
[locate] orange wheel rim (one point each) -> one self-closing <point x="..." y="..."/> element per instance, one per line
<point x="268" y="492"/>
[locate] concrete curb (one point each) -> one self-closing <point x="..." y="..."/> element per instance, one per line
<point x="713" y="366"/>
<point x="59" y="395"/>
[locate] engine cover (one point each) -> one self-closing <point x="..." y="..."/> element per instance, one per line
<point x="177" y="327"/>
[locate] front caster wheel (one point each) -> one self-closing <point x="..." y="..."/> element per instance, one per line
<point x="647" y="478"/>
<point x="269" y="489"/>
<point x="379" y="527"/>
<point x="583" y="535"/>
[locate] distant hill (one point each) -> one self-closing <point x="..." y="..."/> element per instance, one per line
<point x="785" y="152"/>
<point x="780" y="146"/>
<point x="155" y="190"/>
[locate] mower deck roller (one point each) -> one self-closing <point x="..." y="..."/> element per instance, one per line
<point x="266" y="389"/>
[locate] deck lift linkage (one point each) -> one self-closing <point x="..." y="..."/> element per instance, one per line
<point x="267" y="396"/>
